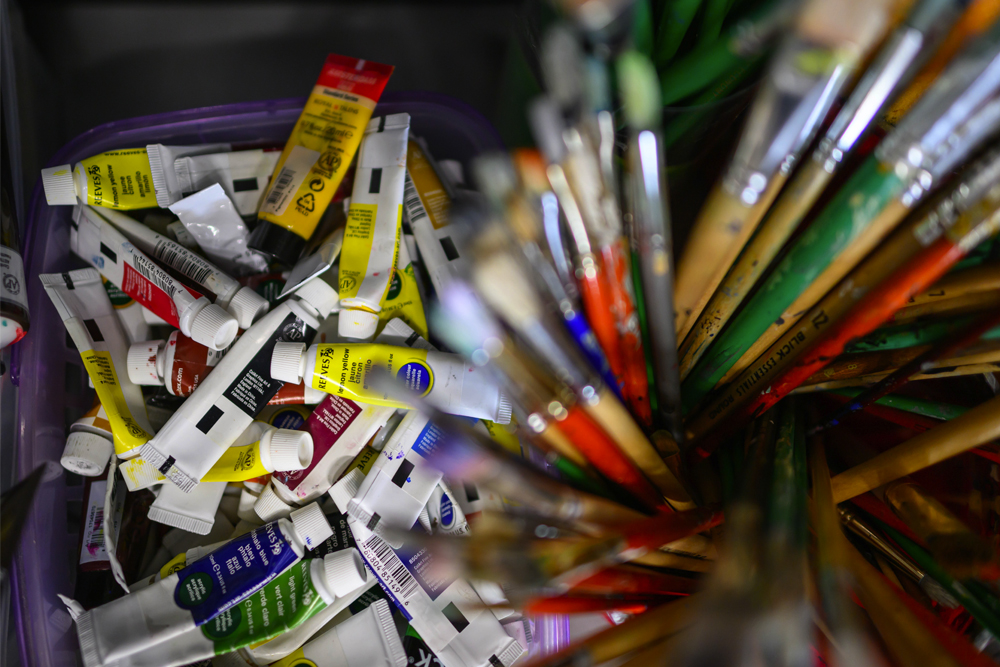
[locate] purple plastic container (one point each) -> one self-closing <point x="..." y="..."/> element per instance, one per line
<point x="50" y="375"/>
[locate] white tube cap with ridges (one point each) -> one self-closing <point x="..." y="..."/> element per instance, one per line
<point x="311" y="525"/>
<point x="357" y="324"/>
<point x="345" y="571"/>
<point x="288" y="362"/>
<point x="58" y="185"/>
<point x="86" y="454"/>
<point x="504" y="409"/>
<point x="284" y="449"/>
<point x="143" y="363"/>
<point x="269" y="507"/>
<point x="346" y="488"/>
<point x="213" y="327"/>
<point x="319" y="295"/>
<point x="246" y="306"/>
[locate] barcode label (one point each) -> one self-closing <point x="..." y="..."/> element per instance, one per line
<point x="154" y="274"/>
<point x="182" y="260"/>
<point x="394" y="573"/>
<point x="93" y="550"/>
<point x="283" y="188"/>
<point x="411" y="201"/>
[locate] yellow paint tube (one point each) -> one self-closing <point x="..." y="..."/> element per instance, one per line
<point x="371" y="237"/>
<point x="92" y="323"/>
<point x="261" y="450"/>
<point x="317" y="155"/>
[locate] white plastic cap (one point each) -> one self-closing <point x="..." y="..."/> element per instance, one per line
<point x="246" y="306"/>
<point x="270" y="507"/>
<point x="60" y="190"/>
<point x="504" y="409"/>
<point x="357" y="324"/>
<point x="345" y="571"/>
<point x="311" y="525"/>
<point x="285" y="449"/>
<point x="453" y="171"/>
<point x="145" y="363"/>
<point x="213" y="327"/>
<point x="86" y="454"/>
<point x="288" y="363"/>
<point x="245" y="510"/>
<point x="319" y="295"/>
<point x="346" y="488"/>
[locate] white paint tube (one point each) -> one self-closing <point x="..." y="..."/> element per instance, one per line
<point x="401" y="482"/>
<point x="371" y="237"/>
<point x="235" y="392"/>
<point x="243" y="303"/>
<point x="210" y="217"/>
<point x="90" y="319"/>
<point x="129" y="312"/>
<point x="107" y="250"/>
<point x="449" y="615"/>
<point x="366" y="639"/>
<point x="244" y="176"/>
<point x="193" y="512"/>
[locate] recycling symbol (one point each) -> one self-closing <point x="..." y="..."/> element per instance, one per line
<point x="307" y="202"/>
<point x="12" y="284"/>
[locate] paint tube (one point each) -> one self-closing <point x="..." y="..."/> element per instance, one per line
<point x="400" y="483"/>
<point x="317" y="155"/>
<point x="243" y="303"/>
<point x="371" y="238"/>
<point x="340" y="428"/>
<point x="94" y="580"/>
<point x="260" y="450"/>
<point x="210" y="217"/>
<point x="242" y="174"/>
<point x="448" y="614"/>
<point x="347" y="486"/>
<point x="106" y="249"/>
<point x="427" y="203"/>
<point x="120" y="179"/>
<point x="229" y="398"/>
<point x="445" y="380"/>
<point x="89" y="444"/>
<point x="90" y="319"/>
<point x="285" y="603"/>
<point x="176" y="232"/>
<point x="15" y="319"/>
<point x="342" y="609"/>
<point x="444" y="513"/>
<point x="129" y="312"/>
<point x="193" y="512"/>
<point x="367" y="639"/>
<point x="416" y="650"/>
<point x="180" y="364"/>
<point x="200" y="591"/>
<point x="402" y="300"/>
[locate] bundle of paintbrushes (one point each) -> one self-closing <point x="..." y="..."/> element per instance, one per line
<point x="835" y="306"/>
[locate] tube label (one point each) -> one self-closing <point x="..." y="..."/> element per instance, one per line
<point x="254" y="386"/>
<point x="233" y="572"/>
<point x="192" y="362"/>
<point x="128" y="434"/>
<point x="323" y="143"/>
<point x="342" y="370"/>
<point x="282" y="604"/>
<point x="119" y="179"/>
<point x="237" y="464"/>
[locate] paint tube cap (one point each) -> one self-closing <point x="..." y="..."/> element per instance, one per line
<point x="58" y="185"/>
<point x="344" y="490"/>
<point x="504" y="409"/>
<point x="345" y="572"/>
<point x="319" y="295"/>
<point x="311" y="525"/>
<point x="246" y="306"/>
<point x="145" y="362"/>
<point x="270" y="507"/>
<point x="86" y="454"/>
<point x="357" y="324"/>
<point x="285" y="449"/>
<point x="213" y="327"/>
<point x="288" y="362"/>
<point x="245" y="509"/>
